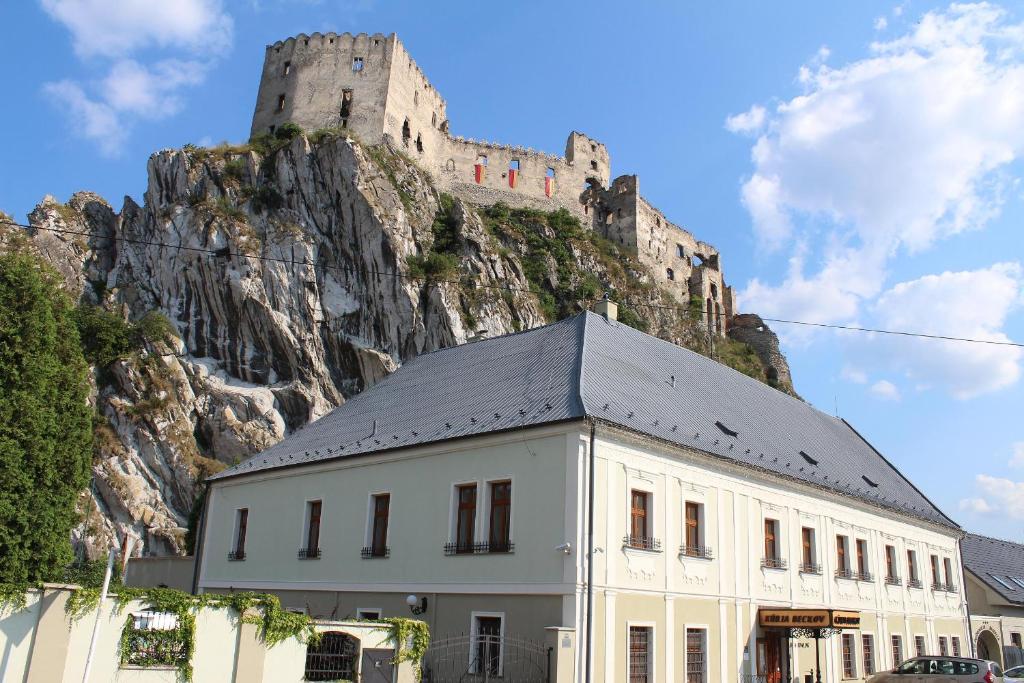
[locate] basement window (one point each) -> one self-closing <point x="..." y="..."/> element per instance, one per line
<point x="357" y="64"/>
<point x="809" y="459"/>
<point x="726" y="430"/>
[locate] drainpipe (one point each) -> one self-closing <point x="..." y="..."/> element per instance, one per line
<point x="590" y="557"/>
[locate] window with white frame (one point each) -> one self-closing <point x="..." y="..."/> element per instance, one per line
<point x="499" y="538"/>
<point x="955" y="642"/>
<point x="641" y="521"/>
<point x="773" y="545"/>
<point x="241" y="529"/>
<point x="311" y="531"/>
<point x="696" y="655"/>
<point x="849" y="650"/>
<point x="693" y="531"/>
<point x="919" y="646"/>
<point x="897" y="649"/>
<point x="641" y="655"/>
<point x="843" y="556"/>
<point x="464" y="520"/>
<point x="867" y="649"/>
<point x="809" y="551"/>
<point x="378" y="519"/>
<point x="943" y="646"/>
<point x="486" y="634"/>
<point x="369" y="613"/>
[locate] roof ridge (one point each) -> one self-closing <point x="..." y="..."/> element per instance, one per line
<point x="995" y="538"/>
<point x="580" y="365"/>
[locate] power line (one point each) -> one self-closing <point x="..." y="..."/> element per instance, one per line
<point x="226" y="253"/>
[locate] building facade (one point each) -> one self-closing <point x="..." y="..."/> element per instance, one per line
<point x="370" y="85"/>
<point x="994" y="573"/>
<point x="472" y="477"/>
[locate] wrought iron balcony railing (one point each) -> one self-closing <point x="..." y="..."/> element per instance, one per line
<point x="845" y="574"/>
<point x="893" y="581"/>
<point x="699" y="551"/>
<point x="236" y="555"/>
<point x="479" y="548"/>
<point x="914" y="583"/>
<point x="642" y="543"/>
<point x="773" y="563"/>
<point x="864" y="576"/>
<point x="371" y="553"/>
<point x="309" y="554"/>
<point x="950" y="588"/>
<point x="810" y="568"/>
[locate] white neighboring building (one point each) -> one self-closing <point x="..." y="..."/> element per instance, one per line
<point x="718" y="504"/>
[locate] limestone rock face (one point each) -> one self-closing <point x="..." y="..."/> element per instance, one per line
<point x="292" y="280"/>
<point x="751" y="330"/>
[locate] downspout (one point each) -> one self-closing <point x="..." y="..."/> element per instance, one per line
<point x="967" y="600"/>
<point x="590" y="556"/>
<point x="200" y="540"/>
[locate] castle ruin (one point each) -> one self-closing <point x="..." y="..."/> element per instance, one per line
<point x="370" y="85"/>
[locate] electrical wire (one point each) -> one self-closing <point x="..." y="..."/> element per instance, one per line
<point x="226" y="253"/>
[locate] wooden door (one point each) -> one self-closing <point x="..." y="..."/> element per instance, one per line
<point x="769" y="659"/>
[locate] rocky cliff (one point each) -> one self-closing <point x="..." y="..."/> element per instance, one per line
<point x="294" y="274"/>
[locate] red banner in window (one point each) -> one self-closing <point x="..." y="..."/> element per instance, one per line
<point x="512" y="173"/>
<point x="478" y="173"/>
<point x="549" y="186"/>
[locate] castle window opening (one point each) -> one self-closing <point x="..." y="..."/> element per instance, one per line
<point x="272" y="129"/>
<point x="331" y="41"/>
<point x="416" y="98"/>
<point x="406" y="133"/>
<point x="550" y="173"/>
<point x="714" y="291"/>
<point x="433" y="120"/>
<point x="481" y="159"/>
<point x="419" y="143"/>
<point x="608" y="219"/>
<point x="306" y="42"/>
<point x="680" y="252"/>
<point x="346" y="104"/>
<point x="449" y="165"/>
<point x="280" y="102"/>
<point x="593" y="147"/>
<point x="287" y="68"/>
<point x="671" y="274"/>
<point x="376" y="42"/>
<point x="513" y="165"/>
<point x="357" y="64"/>
<point x="657" y="220"/>
<point x="593" y="165"/>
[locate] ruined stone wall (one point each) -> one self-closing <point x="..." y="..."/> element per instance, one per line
<point x="415" y="114"/>
<point x="305" y="78"/>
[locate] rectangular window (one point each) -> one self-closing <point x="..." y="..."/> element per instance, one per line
<point x="639" y="515"/>
<point x="280" y="102"/>
<point x="639" y="654"/>
<point x="849" y="656"/>
<point x="807" y="557"/>
<point x="379" y="535"/>
<point x="947" y="568"/>
<point x="919" y="647"/>
<point x="486" y="650"/>
<point x="696" y="655"/>
<point x="501" y="517"/>
<point x="693" y="529"/>
<point x="312" y="549"/>
<point x="867" y="644"/>
<point x="912" y="578"/>
<point x="936" y="583"/>
<point x="890" y="564"/>
<point x="287" y="68"/>
<point x="862" y="559"/>
<point x="357" y="64"/>
<point x="771" y="539"/>
<point x="370" y="613"/>
<point x="955" y="640"/>
<point x="241" y="527"/>
<point x="346" y="104"/>
<point x="897" y="650"/>
<point x="465" y="518"/>
<point x="943" y="647"/>
<point x="842" y="556"/>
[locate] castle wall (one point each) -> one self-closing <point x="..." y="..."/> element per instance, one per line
<point x="313" y="72"/>
<point x="415" y="114"/>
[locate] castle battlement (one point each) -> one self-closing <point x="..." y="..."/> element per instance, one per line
<point x="369" y="84"/>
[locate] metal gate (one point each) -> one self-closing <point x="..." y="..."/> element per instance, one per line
<point x="485" y="657"/>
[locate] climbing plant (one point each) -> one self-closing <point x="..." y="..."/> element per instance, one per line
<point x="411" y="638"/>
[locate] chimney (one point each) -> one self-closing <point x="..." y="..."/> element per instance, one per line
<point x="608" y="308"/>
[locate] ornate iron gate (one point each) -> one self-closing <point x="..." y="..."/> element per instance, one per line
<point x="485" y="657"/>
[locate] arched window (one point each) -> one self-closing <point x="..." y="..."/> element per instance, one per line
<point x="333" y="658"/>
<point x="671" y="274"/>
<point x="680" y="252"/>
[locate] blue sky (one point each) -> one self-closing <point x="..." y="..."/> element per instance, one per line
<point x="856" y="163"/>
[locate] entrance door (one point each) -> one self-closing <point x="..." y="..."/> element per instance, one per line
<point x="769" y="659"/>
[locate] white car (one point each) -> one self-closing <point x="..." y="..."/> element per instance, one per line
<point x="1015" y="672"/>
<point x="942" y="670"/>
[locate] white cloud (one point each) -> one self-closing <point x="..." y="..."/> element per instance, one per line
<point x="1018" y="455"/>
<point x="105" y="108"/>
<point x="976" y="505"/>
<point x="113" y="28"/>
<point x="1001" y="496"/>
<point x="968" y="304"/>
<point x="854" y="375"/>
<point x="885" y="390"/>
<point x="749" y="121"/>
<point x="881" y="23"/>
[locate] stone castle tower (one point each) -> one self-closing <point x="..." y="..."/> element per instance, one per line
<point x="369" y="84"/>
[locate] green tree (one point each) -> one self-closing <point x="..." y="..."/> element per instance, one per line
<point x="45" y="421"/>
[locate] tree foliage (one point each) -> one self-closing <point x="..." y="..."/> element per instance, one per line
<point x="45" y="421"/>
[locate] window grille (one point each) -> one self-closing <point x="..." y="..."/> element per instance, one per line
<point x="333" y="658"/>
<point x="639" y="654"/>
<point x="153" y="639"/>
<point x="849" y="665"/>
<point x="696" y="667"/>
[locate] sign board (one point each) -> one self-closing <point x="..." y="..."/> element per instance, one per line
<point x="807" y="618"/>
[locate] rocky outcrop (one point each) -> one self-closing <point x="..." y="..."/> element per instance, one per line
<point x="751" y="330"/>
<point x="288" y="279"/>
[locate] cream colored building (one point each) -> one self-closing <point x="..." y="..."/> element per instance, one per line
<point x="994" y="571"/>
<point x="482" y="477"/>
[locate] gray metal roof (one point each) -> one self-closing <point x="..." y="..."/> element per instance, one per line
<point x="991" y="558"/>
<point x="587" y="366"/>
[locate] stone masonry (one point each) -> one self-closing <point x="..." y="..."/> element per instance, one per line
<point x="369" y="85"/>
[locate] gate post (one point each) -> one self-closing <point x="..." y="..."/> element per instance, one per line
<point x="562" y="643"/>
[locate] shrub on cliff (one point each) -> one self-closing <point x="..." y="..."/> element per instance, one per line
<point x="45" y="421"/>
